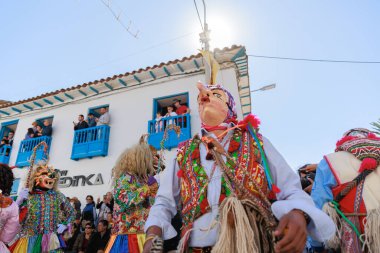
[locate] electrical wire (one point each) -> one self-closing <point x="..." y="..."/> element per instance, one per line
<point x="199" y="17"/>
<point x="118" y="19"/>
<point x="312" y="60"/>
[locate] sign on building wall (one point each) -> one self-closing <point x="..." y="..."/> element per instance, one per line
<point x="66" y="181"/>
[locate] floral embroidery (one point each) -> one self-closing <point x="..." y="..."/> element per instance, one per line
<point x="133" y="200"/>
<point x="245" y="156"/>
<point x="45" y="213"/>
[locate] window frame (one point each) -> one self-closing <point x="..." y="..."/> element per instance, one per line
<point x="4" y="126"/>
<point x="155" y="104"/>
<point x="40" y="121"/>
<point x="92" y="109"/>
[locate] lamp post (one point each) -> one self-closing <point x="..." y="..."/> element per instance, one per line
<point x="266" y="87"/>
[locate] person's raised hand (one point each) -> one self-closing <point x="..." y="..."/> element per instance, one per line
<point x="292" y="233"/>
<point x="310" y="187"/>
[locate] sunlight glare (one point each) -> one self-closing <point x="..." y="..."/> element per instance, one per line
<point x="222" y="31"/>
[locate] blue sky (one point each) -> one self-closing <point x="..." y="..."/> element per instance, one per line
<point x="48" y="45"/>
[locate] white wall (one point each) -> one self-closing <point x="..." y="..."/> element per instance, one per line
<point x="130" y="111"/>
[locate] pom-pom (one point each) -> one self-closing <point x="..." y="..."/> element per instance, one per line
<point x="373" y="136"/>
<point x="180" y="173"/>
<point x="345" y="139"/>
<point x="275" y="189"/>
<point x="234" y="145"/>
<point x="250" y="118"/>
<point x="368" y="164"/>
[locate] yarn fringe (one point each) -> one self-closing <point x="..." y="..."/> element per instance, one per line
<point x="371" y="236"/>
<point x="335" y="241"/>
<point x="183" y="243"/>
<point x="236" y="235"/>
<point x="372" y="231"/>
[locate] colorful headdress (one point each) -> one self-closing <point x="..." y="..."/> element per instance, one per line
<point x="364" y="145"/>
<point x="45" y="177"/>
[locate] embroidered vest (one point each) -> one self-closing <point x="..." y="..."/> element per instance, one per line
<point x="345" y="167"/>
<point x="194" y="180"/>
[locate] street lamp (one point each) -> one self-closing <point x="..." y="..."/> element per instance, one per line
<point x="266" y="87"/>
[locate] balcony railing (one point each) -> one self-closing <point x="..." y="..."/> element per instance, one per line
<point x="156" y="131"/>
<point x="5" y="152"/>
<point x="90" y="142"/>
<point x="26" y="150"/>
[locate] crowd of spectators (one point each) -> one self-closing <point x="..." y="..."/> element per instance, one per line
<point x="92" y="121"/>
<point x="180" y="109"/>
<point x="37" y="130"/>
<point x="92" y="227"/>
<point x="45" y="129"/>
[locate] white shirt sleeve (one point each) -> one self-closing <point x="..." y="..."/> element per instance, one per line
<point x="105" y="119"/>
<point x="321" y="227"/>
<point x="165" y="204"/>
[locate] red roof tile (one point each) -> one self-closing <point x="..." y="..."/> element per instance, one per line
<point x="199" y="55"/>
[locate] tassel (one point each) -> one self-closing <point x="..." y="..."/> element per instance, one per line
<point x="372" y="231"/>
<point x="368" y="164"/>
<point x="335" y="241"/>
<point x="238" y="237"/>
<point x="183" y="243"/>
<point x="275" y="189"/>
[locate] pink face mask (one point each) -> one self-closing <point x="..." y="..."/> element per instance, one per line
<point x="222" y="106"/>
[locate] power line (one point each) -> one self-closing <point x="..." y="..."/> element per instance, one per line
<point x="118" y="18"/>
<point x="199" y="17"/>
<point x="312" y="60"/>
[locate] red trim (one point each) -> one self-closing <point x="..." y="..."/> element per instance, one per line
<point x="333" y="171"/>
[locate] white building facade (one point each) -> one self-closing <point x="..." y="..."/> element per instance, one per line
<point x="132" y="100"/>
